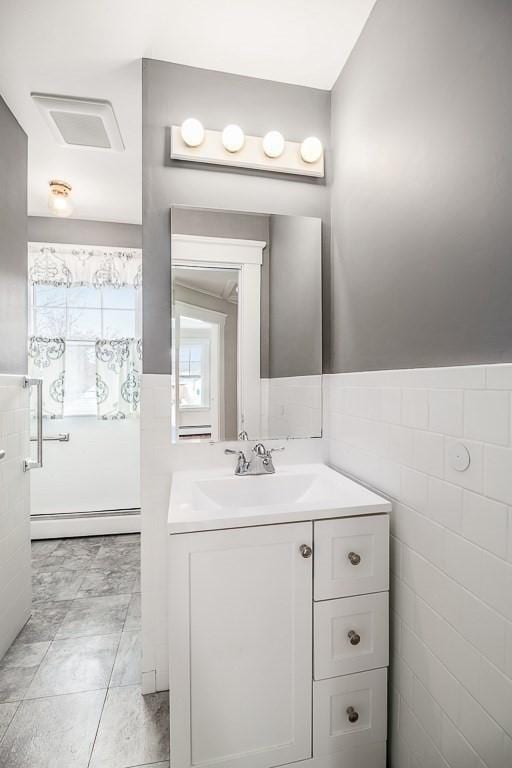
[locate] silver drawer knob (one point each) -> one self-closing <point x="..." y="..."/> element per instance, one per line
<point x="305" y="550"/>
<point x="354" y="558"/>
<point x="354" y="638"/>
<point x="353" y="716"/>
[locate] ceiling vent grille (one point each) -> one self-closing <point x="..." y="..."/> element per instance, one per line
<point x="78" y="122"/>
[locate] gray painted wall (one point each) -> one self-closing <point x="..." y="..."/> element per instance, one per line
<point x="421" y="198"/>
<point x="209" y="223"/>
<point x="295" y="296"/>
<point x="13" y="244"/>
<point x="171" y="93"/>
<point x="49" y="229"/>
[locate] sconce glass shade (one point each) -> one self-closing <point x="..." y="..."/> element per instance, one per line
<point x="233" y="138"/>
<point x="192" y="132"/>
<point x="59" y="200"/>
<point x="273" y="144"/>
<point x="311" y="149"/>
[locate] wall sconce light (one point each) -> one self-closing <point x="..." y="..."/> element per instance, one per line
<point x="311" y="149"/>
<point x="59" y="200"/>
<point x="233" y="138"/>
<point x="192" y="132"/>
<point x="273" y="144"/>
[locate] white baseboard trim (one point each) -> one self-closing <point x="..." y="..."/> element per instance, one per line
<point x="60" y="526"/>
<point x="148" y="684"/>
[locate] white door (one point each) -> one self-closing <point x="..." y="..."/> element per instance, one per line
<point x="15" y="571"/>
<point x="241" y="647"/>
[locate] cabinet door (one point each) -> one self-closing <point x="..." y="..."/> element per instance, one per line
<point x="241" y="647"/>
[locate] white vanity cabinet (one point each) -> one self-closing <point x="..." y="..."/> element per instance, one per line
<point x="240" y="637"/>
<point x="279" y="644"/>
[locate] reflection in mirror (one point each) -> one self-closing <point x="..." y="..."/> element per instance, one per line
<point x="246" y="299"/>
<point x="205" y="363"/>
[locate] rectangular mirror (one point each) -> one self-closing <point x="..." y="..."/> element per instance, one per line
<point x="246" y="325"/>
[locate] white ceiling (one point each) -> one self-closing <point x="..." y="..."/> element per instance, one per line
<point x="221" y="283"/>
<point x="93" y="49"/>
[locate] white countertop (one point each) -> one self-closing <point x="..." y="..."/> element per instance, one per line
<point x="206" y="500"/>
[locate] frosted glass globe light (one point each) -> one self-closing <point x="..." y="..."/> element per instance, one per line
<point x="192" y="132"/>
<point x="233" y="138"/>
<point x="59" y="199"/>
<point x="311" y="149"/>
<point x="273" y="144"/>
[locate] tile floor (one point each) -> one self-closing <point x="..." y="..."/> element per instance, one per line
<point x="70" y="683"/>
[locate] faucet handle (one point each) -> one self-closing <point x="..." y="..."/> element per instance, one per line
<point x="241" y="462"/>
<point x="260" y="450"/>
<point x="277" y="450"/>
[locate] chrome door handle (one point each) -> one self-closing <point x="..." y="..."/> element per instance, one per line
<point x="2" y="454"/>
<point x="305" y="550"/>
<point x="61" y="437"/>
<point x="354" y="558"/>
<point x="37" y="463"/>
<point x="354" y="638"/>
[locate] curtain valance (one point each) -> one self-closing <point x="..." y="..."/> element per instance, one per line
<point x="70" y="266"/>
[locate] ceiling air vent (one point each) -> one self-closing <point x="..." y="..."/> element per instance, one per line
<point x="77" y="122"/>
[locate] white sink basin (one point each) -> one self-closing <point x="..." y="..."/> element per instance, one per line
<point x="280" y="488"/>
<point x="215" y="499"/>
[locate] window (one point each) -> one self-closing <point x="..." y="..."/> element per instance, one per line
<point x="194" y="373"/>
<point x="81" y="315"/>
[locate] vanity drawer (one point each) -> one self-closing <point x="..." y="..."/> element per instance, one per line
<point x="350" y="635"/>
<point x="351" y="556"/>
<point x="349" y="711"/>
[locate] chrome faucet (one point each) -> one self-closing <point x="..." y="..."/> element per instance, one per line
<point x="259" y="463"/>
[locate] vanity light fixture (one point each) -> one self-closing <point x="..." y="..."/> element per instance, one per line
<point x="59" y="199"/>
<point x="231" y="146"/>
<point x="233" y="138"/>
<point x="311" y="149"/>
<point x="192" y="132"/>
<point x="273" y="144"/>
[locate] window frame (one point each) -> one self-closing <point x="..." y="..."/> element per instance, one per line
<point x="203" y="340"/>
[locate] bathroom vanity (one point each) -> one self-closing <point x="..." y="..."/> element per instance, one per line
<point x="278" y="619"/>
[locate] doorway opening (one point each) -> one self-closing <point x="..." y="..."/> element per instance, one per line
<point x="85" y="322"/>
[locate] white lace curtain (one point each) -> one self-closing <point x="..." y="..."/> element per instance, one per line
<point x="118" y="375"/>
<point x="46" y="359"/>
<point x="72" y="266"/>
<point x="118" y="360"/>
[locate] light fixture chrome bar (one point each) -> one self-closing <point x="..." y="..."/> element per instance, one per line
<point x="37" y="463"/>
